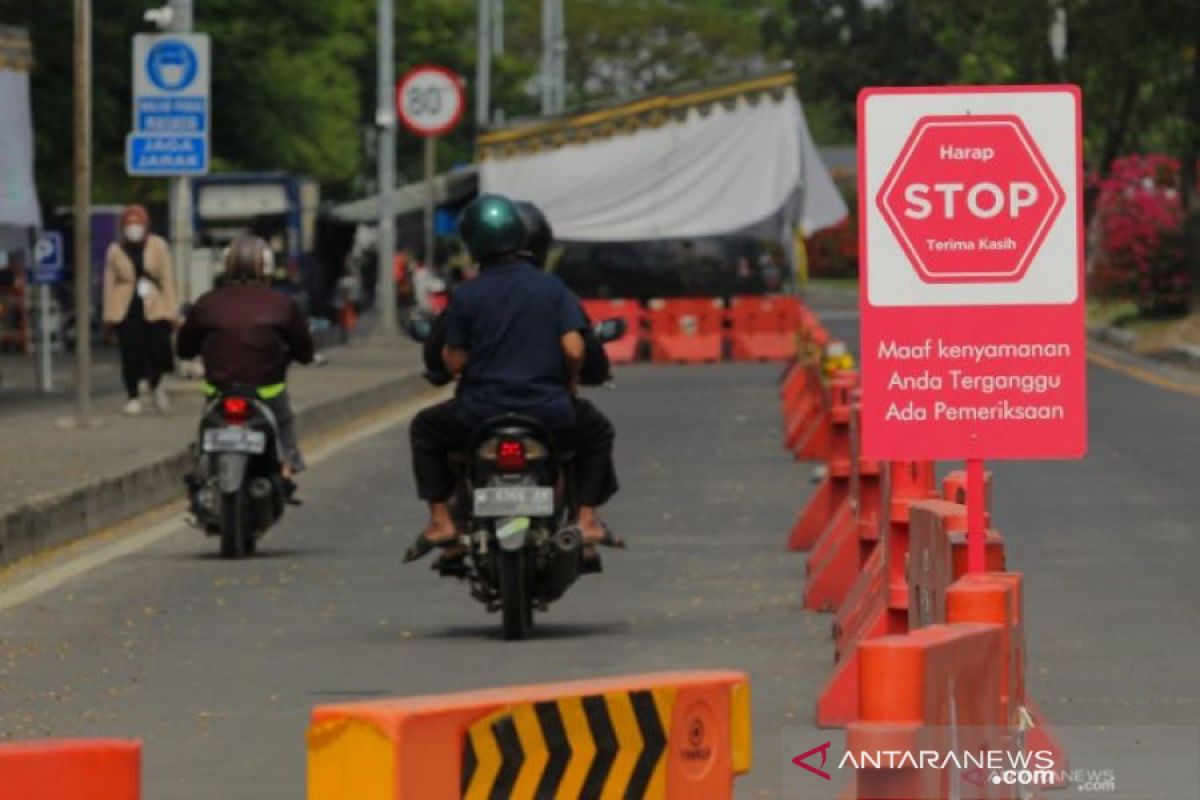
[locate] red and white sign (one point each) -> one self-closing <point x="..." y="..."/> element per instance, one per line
<point x="972" y="271"/>
<point x="430" y="100"/>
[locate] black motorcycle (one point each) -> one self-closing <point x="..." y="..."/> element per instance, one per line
<point x="237" y="491"/>
<point x="515" y="509"/>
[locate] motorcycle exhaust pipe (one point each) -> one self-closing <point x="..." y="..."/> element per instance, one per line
<point x="262" y="497"/>
<point x="562" y="568"/>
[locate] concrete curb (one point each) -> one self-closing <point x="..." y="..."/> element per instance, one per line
<point x="1184" y="356"/>
<point x="70" y="515"/>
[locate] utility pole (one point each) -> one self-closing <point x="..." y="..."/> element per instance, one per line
<point x="179" y="190"/>
<point x="554" y="58"/>
<point x="385" y="119"/>
<point x="83" y="213"/>
<point x="483" y="64"/>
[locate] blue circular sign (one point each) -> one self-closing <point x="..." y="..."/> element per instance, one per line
<point x="171" y="65"/>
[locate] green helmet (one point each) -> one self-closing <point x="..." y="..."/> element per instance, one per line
<point x="492" y="226"/>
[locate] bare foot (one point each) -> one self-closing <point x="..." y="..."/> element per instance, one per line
<point x="441" y="526"/>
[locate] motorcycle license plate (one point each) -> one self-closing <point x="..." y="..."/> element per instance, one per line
<point x="234" y="440"/>
<point x="514" y="501"/>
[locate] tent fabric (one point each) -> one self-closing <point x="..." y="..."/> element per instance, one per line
<point x="715" y="169"/>
<point x="449" y="187"/>
<point x="18" y="193"/>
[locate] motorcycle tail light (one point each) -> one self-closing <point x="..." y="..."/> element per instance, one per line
<point x="510" y="455"/>
<point x="235" y="410"/>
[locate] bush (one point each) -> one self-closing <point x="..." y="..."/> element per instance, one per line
<point x="833" y="252"/>
<point x="1141" y="254"/>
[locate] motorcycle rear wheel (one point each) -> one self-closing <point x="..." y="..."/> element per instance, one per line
<point x="516" y="603"/>
<point x="234" y="530"/>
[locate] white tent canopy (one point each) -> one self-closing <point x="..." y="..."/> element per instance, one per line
<point x="719" y="163"/>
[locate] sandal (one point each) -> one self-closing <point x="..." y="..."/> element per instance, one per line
<point x="423" y="546"/>
<point x="610" y="539"/>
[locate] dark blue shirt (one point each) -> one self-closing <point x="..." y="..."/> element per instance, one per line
<point x="510" y="321"/>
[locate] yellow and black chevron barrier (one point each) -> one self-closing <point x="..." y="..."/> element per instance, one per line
<point x="662" y="735"/>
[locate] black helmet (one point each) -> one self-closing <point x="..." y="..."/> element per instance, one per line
<point x="541" y="235"/>
<point x="492" y="226"/>
<point x="248" y="260"/>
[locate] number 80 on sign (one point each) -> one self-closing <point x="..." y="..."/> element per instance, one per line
<point x="430" y="100"/>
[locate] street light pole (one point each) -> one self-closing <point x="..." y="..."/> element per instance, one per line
<point x="483" y="64"/>
<point x="385" y="119"/>
<point x="179" y="196"/>
<point x="83" y="216"/>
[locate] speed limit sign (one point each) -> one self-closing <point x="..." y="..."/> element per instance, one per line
<point x="430" y="100"/>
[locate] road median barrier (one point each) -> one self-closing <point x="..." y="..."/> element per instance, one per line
<point x="687" y="330"/>
<point x="829" y="506"/>
<point x="71" y="769"/>
<point x="763" y="327"/>
<point x="660" y="735"/>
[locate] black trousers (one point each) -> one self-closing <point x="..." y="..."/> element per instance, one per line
<point x="437" y="430"/>
<point x="145" y="351"/>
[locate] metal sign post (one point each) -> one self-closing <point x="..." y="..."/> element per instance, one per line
<point x="430" y="101"/>
<point x="48" y="266"/>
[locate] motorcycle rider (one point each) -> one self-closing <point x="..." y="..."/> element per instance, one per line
<point x="514" y="335"/>
<point x="248" y="334"/>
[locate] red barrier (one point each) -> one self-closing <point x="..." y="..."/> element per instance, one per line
<point x="877" y="603"/>
<point x="686" y="330"/>
<point x="844" y="547"/>
<point x="828" y="506"/>
<point x="625" y="349"/>
<point x="934" y="689"/>
<point x="78" y="769"/>
<point x="763" y="328"/>
<point x="938" y="557"/>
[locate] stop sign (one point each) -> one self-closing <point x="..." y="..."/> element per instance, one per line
<point x="970" y="198"/>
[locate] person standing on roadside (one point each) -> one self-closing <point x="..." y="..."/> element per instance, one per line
<point x="141" y="305"/>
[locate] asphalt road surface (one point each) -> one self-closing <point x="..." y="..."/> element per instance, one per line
<point x="216" y="665"/>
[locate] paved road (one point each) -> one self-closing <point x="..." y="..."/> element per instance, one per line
<point x="216" y="665"/>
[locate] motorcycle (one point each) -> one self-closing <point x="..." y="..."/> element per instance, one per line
<point x="515" y="509"/>
<point x="236" y="489"/>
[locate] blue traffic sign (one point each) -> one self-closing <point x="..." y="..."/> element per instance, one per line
<point x="49" y="261"/>
<point x="172" y="65"/>
<point x="166" y="154"/>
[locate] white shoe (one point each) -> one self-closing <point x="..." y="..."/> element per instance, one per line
<point x="133" y="407"/>
<point x="161" y="401"/>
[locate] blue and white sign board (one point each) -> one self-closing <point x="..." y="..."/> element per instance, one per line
<point x="48" y="261"/>
<point x="171" y="105"/>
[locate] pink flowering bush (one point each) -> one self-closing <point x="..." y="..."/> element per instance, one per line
<point x="1141" y="254"/>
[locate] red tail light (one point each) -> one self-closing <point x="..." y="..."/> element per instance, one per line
<point x="236" y="410"/>
<point x="510" y="456"/>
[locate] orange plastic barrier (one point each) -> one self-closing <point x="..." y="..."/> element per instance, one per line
<point x="625" y="349"/>
<point x="686" y="330"/>
<point x="763" y="328"/>
<point x="843" y="549"/>
<point x="877" y="603"/>
<point x="938" y="557"/>
<point x="804" y="408"/>
<point x="78" y="769"/>
<point x="934" y="689"/>
<point x="661" y="735"/>
<point x="829" y="506"/>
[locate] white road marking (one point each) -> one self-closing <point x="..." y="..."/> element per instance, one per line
<point x="50" y="577"/>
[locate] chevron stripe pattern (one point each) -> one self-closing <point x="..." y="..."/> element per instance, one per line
<point x="594" y="747"/>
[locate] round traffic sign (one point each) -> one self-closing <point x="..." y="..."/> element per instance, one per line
<point x="430" y="100"/>
<point x="172" y="65"/>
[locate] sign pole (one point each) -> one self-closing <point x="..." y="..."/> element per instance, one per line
<point x="385" y="119"/>
<point x="179" y="194"/>
<point x="976" y="517"/>
<point x="83" y="187"/>
<point x="430" y="196"/>
<point x="45" y="365"/>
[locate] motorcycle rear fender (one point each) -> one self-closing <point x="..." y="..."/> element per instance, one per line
<point x="231" y="471"/>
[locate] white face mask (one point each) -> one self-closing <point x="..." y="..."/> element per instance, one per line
<point x="135" y="232"/>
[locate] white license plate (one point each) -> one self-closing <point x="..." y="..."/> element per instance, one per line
<point x="514" y="501"/>
<point x="234" y="440"/>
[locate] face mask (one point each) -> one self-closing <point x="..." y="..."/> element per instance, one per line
<point x="135" y="233"/>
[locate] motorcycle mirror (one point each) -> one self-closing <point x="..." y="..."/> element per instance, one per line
<point x="610" y="330"/>
<point x="419" y="329"/>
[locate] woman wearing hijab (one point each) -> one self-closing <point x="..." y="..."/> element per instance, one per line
<point x="140" y="303"/>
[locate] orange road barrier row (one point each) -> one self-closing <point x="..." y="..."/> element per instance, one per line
<point x="686" y="330"/>
<point x="838" y="556"/>
<point x="624" y="350"/>
<point x="937" y="556"/>
<point x="763" y="328"/>
<point x="877" y="602"/>
<point x="661" y="735"/>
<point x="71" y="769"/>
<point x="829" y="505"/>
<point x="934" y="689"/>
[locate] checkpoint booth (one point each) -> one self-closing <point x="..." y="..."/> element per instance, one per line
<point x="694" y="170"/>
<point x="20" y="215"/>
